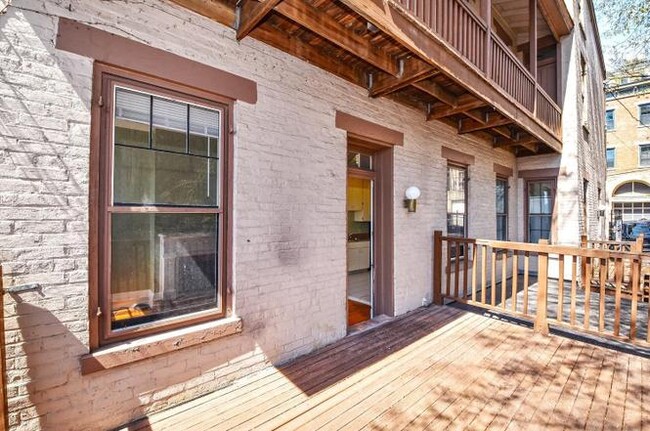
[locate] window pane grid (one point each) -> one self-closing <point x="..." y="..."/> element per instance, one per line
<point x="165" y="223"/>
<point x="540" y="209"/>
<point x="502" y="209"/>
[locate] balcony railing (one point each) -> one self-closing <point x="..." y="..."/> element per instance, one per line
<point x="455" y="23"/>
<point x="601" y="291"/>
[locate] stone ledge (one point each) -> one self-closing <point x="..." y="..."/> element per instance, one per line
<point x="159" y="344"/>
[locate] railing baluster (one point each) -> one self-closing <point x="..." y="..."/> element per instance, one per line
<point x="526" y="266"/>
<point x="617" y="307"/>
<point x="465" y="269"/>
<point x="587" y="287"/>
<point x="635" y="294"/>
<point x="483" y="273"/>
<point x="515" y="272"/>
<point x="448" y="270"/>
<point x="504" y="280"/>
<point x="474" y="270"/>
<point x="456" y="269"/>
<point x="493" y="288"/>
<point x="574" y="288"/>
<point x="560" y="289"/>
<point x="604" y="265"/>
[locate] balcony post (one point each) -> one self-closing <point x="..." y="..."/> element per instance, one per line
<point x="541" y="321"/>
<point x="486" y="13"/>
<point x="437" y="267"/>
<point x="532" y="47"/>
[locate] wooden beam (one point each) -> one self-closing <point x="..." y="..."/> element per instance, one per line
<point x="251" y="15"/>
<point x="438" y="92"/>
<point x="506" y="142"/>
<point x="329" y="29"/>
<point x="220" y="12"/>
<point x="465" y="103"/>
<point x="431" y="48"/>
<point x="474" y="126"/>
<point x="532" y="38"/>
<point x="477" y="115"/>
<point x="389" y="84"/>
<point x="309" y="53"/>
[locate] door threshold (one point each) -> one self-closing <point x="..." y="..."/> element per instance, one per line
<point x="369" y="324"/>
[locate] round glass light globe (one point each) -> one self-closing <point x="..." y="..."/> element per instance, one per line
<point x="412" y="193"/>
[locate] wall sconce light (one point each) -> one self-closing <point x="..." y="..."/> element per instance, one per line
<point x="412" y="194"/>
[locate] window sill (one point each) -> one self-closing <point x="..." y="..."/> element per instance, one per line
<point x="159" y="344"/>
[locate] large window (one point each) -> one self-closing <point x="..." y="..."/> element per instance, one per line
<point x="541" y="194"/>
<point x="162" y="212"/>
<point x="610" y="155"/>
<point x="644" y="114"/>
<point x="502" y="209"/>
<point x="644" y="155"/>
<point x="610" y="119"/>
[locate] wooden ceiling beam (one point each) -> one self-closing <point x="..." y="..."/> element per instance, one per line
<point x="309" y="53"/>
<point x="329" y="29"/>
<point x="474" y="126"/>
<point x="389" y="84"/>
<point x="477" y="115"/>
<point x="437" y="91"/>
<point x="251" y="15"/>
<point x="465" y="102"/>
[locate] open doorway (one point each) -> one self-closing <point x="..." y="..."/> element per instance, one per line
<point x="369" y="231"/>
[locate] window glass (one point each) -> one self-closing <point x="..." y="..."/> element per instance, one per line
<point x="162" y="265"/>
<point x="644" y="114"/>
<point x="132" y="117"/>
<point x="204" y="132"/>
<point x="644" y="154"/>
<point x="456" y="201"/>
<point x="610" y="119"/>
<point x="611" y="157"/>
<point x="169" y="125"/>
<point x="359" y="160"/>
<point x="146" y="177"/>
<point x="502" y="208"/>
<point x="540" y="209"/>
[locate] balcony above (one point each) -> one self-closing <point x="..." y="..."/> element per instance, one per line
<point x="443" y="57"/>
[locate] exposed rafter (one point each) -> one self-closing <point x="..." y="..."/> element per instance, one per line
<point x="435" y="90"/>
<point x="464" y="103"/>
<point x="329" y="29"/>
<point x="251" y="15"/>
<point x="470" y="126"/>
<point x="388" y="84"/>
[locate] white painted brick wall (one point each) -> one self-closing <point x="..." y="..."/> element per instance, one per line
<point x="289" y="211"/>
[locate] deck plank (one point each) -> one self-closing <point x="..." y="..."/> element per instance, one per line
<point x="436" y="368"/>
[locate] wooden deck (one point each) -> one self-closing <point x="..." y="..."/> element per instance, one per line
<point x="436" y="368"/>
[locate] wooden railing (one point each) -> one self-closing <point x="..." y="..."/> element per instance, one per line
<point x="458" y="25"/>
<point x="543" y="283"/>
<point x="548" y="111"/>
<point x="629" y="246"/>
<point x="511" y="75"/>
<point x="455" y="22"/>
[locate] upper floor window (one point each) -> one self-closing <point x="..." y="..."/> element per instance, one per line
<point x="644" y="114"/>
<point x="644" y="155"/>
<point x="610" y="119"/>
<point x="162" y="208"/>
<point x="610" y="155"/>
<point x="502" y="208"/>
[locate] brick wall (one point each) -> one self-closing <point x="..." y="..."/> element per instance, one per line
<point x="289" y="211"/>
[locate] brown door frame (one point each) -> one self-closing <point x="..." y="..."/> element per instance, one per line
<point x="383" y="300"/>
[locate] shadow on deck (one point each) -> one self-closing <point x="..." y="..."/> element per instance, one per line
<point x="435" y="368"/>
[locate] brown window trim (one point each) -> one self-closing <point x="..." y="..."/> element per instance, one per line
<point x="456" y="157"/>
<point x="109" y="48"/>
<point x="528" y="180"/>
<point x="366" y="132"/>
<point x="100" y="165"/>
<point x="502" y="171"/>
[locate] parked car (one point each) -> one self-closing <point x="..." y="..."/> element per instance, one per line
<point x="631" y="232"/>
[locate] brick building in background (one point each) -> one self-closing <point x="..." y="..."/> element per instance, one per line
<point x="189" y="191"/>
<point x="627" y="120"/>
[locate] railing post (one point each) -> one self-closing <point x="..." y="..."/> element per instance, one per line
<point x="437" y="267"/>
<point x="487" y="16"/>
<point x="541" y="321"/>
<point x="583" y="263"/>
<point x="638" y="245"/>
<point x="4" y="415"/>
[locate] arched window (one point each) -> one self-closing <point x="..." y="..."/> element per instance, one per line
<point x="636" y="187"/>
